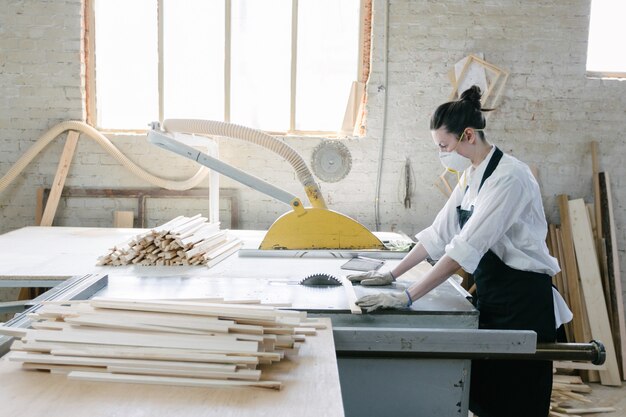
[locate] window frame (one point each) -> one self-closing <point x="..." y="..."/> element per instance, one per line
<point x="362" y="69"/>
<point x="606" y="75"/>
<point x="603" y="75"/>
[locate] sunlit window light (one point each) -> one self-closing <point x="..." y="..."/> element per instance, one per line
<point x="607" y="31"/>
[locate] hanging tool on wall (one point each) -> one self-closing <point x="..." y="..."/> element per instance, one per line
<point x="409" y="184"/>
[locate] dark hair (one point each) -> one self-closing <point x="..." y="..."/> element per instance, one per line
<point x="456" y="116"/>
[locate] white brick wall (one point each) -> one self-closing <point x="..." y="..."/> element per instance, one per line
<point x="549" y="113"/>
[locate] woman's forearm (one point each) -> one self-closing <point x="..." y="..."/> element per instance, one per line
<point x="445" y="267"/>
<point x="415" y="256"/>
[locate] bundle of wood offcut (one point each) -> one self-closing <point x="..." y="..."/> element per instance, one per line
<point x="568" y="394"/>
<point x="181" y="343"/>
<point x="181" y="241"/>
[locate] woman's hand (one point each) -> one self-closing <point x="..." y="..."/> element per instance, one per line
<point x="384" y="300"/>
<point x="372" y="278"/>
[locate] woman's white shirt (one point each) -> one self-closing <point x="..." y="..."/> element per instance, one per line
<point x="507" y="218"/>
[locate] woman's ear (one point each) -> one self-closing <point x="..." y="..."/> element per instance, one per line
<point x="471" y="135"/>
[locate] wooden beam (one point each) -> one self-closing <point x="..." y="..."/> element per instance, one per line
<point x="591" y="410"/>
<point x="244" y="374"/>
<point x="59" y="179"/>
<point x="613" y="271"/>
<point x="351" y="295"/>
<point x="39" y="205"/>
<point x="12" y="331"/>
<point x="173" y="381"/>
<point x="578" y="365"/>
<point x="595" y="164"/>
<point x="104" y="362"/>
<point x="142" y="194"/>
<point x="575" y="298"/>
<point x="591" y="283"/>
<point x="196" y="342"/>
<point x="125" y="219"/>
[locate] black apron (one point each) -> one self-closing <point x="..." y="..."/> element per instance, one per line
<point x="510" y="299"/>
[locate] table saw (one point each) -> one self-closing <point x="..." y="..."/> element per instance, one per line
<point x="414" y="361"/>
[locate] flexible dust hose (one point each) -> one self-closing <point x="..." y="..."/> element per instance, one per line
<point x="229" y="130"/>
<point x="101" y="140"/>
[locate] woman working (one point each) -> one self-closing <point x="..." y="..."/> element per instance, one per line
<point x="493" y="226"/>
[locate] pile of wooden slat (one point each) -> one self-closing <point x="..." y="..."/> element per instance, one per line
<point x="585" y="246"/>
<point x="567" y="389"/>
<point x="160" y="342"/>
<point x="181" y="241"/>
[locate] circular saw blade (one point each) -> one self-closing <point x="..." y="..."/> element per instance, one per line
<point x="331" y="161"/>
<point x="322" y="279"/>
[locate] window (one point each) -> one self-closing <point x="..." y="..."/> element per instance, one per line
<point x="606" y="56"/>
<point x="276" y="65"/>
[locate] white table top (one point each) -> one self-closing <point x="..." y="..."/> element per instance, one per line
<point x="57" y="253"/>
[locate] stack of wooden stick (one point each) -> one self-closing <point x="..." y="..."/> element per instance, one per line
<point x="181" y="241"/>
<point x="586" y="248"/>
<point x="567" y="389"/>
<point x="182" y="343"/>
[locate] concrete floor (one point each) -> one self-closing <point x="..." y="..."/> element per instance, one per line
<point x="607" y="397"/>
<point x="602" y="396"/>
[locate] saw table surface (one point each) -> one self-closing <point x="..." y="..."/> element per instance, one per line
<point x="45" y="256"/>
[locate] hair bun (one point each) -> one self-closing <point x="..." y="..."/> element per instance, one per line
<point x="472" y="94"/>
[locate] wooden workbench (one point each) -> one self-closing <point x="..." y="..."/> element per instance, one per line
<point x="52" y="252"/>
<point x="30" y="256"/>
<point x="55" y="253"/>
<point x="310" y="388"/>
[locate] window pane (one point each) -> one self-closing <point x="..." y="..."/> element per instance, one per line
<point x="328" y="38"/>
<point x="261" y="63"/>
<point x="607" y="31"/>
<point x="126" y="63"/>
<point x="193" y="56"/>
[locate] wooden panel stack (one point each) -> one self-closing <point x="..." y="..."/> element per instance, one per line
<point x="181" y="241"/>
<point x="161" y="342"/>
<point x="590" y="282"/>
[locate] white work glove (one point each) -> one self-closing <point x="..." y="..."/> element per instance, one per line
<point x="384" y="300"/>
<point x="372" y="278"/>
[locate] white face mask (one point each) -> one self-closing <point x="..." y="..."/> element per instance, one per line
<point x="454" y="162"/>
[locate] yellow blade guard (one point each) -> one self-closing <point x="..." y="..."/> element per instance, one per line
<point x="318" y="228"/>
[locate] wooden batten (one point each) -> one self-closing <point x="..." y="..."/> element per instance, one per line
<point x="156" y="354"/>
<point x="153" y="339"/>
<point x="186" y="343"/>
<point x="590" y="279"/>
<point x="247" y="375"/>
<point x="13" y="331"/>
<point x="581" y="335"/>
<point x="616" y="311"/>
<point x="123" y="219"/>
<point x="172" y="381"/>
<point x="181" y="241"/>
<point x="59" y="180"/>
<point x="351" y="296"/>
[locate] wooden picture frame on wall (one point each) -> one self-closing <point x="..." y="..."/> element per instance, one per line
<point x="496" y="78"/>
